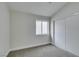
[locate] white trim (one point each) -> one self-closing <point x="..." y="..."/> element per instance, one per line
<point x="67" y="51"/>
<point x="30" y="46"/>
<point x="7" y="53"/>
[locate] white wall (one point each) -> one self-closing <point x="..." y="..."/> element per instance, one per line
<point x="60" y="34"/>
<point x="67" y="28"/>
<point x="72" y="34"/>
<point x="23" y="30"/>
<point x="4" y="30"/>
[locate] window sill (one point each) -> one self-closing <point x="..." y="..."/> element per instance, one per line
<point x="43" y="35"/>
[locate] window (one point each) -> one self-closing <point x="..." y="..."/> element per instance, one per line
<point x="44" y="28"/>
<point x="41" y="27"/>
<point x="38" y="27"/>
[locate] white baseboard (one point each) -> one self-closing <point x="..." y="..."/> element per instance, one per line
<point x="67" y="51"/>
<point x="7" y="53"/>
<point x="30" y="46"/>
<point x="73" y="53"/>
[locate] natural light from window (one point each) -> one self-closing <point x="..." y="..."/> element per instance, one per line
<point x="41" y="27"/>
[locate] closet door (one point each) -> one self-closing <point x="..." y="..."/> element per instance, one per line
<point x="60" y="33"/>
<point x="72" y="34"/>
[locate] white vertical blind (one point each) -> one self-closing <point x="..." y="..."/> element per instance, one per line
<point x="44" y="27"/>
<point x="41" y="27"/>
<point x="38" y="27"/>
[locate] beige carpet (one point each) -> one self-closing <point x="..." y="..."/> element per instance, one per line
<point x="42" y="51"/>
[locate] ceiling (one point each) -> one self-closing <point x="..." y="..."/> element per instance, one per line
<point x="38" y="8"/>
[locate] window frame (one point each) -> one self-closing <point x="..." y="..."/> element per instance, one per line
<point x="42" y="26"/>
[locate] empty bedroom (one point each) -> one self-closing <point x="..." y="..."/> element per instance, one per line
<point x="39" y="29"/>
